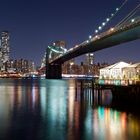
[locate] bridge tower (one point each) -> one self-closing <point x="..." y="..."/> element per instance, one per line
<point x="54" y="70"/>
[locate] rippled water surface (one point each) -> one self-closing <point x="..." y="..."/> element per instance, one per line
<point x="57" y="110"/>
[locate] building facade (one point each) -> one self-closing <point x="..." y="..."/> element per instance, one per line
<point x="89" y="63"/>
<point x="21" y="66"/>
<point x="132" y="72"/>
<point x="4" y="49"/>
<point x="5" y="46"/>
<point x="114" y="71"/>
<point x="122" y="71"/>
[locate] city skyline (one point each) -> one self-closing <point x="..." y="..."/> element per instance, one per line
<point x="35" y="24"/>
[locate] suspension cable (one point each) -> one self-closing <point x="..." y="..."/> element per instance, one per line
<point x="132" y="13"/>
<point x="56" y="51"/>
<point x="112" y="15"/>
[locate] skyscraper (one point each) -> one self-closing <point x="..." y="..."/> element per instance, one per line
<point x="5" y="49"/>
<point x="89" y="58"/>
<point x="60" y="44"/>
<point x="90" y="62"/>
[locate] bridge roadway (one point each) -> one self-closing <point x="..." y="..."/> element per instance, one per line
<point x="119" y="36"/>
<point x="107" y="39"/>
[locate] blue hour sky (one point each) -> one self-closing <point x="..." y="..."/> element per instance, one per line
<point x="34" y="24"/>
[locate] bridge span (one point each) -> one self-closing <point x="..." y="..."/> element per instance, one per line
<point x="107" y="39"/>
<point x="110" y="38"/>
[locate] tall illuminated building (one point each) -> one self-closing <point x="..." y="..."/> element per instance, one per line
<point x="5" y="49"/>
<point x="90" y="62"/>
<point x="1" y="64"/>
<point x="60" y="44"/>
<point x="89" y="59"/>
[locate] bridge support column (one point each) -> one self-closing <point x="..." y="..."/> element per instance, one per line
<point x="53" y="71"/>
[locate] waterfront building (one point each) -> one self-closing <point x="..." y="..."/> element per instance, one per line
<point x="132" y="72"/>
<point x="114" y="71"/>
<point x="120" y="73"/>
<point x="21" y="65"/>
<point x="121" y="70"/>
<point x="24" y="66"/>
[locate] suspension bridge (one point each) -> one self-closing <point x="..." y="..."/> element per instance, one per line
<point x="128" y="29"/>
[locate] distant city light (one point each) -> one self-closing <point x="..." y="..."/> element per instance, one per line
<point x="87" y="41"/>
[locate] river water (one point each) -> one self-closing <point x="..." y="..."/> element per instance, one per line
<point x="56" y="110"/>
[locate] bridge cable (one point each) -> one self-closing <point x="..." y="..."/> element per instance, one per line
<point x="131" y="14"/>
<point x="112" y="15"/>
<point x="56" y="51"/>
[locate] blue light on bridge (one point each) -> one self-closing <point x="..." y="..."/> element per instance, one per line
<point x="112" y="15"/>
<point x="132" y="20"/>
<point x="103" y="24"/>
<point x="90" y="37"/>
<point x="117" y="9"/>
<point x="100" y="28"/>
<point x="107" y="19"/>
<point x="96" y="31"/>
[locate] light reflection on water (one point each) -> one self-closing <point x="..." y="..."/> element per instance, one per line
<point x="56" y="109"/>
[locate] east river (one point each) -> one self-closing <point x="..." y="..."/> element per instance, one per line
<point x="43" y="109"/>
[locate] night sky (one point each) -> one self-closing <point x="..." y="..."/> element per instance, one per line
<point x="34" y="24"/>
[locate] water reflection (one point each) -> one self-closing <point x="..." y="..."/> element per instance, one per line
<point x="57" y="109"/>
